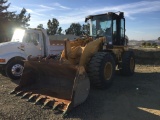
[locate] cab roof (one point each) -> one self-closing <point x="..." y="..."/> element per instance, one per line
<point x="121" y="14"/>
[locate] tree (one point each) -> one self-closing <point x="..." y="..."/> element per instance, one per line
<point x="4" y="14"/>
<point x="22" y="19"/>
<point x="75" y="28"/>
<point x="5" y="17"/>
<point x="159" y="38"/>
<point x="86" y="28"/>
<point x="19" y="20"/>
<point x="40" y="26"/>
<point x="52" y="26"/>
<point x="154" y="44"/>
<point x="10" y="20"/>
<point x="59" y="30"/>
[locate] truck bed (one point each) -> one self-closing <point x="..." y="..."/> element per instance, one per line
<point x="56" y="46"/>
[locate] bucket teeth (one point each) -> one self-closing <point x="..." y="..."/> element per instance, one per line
<point x="49" y="103"/>
<point x="39" y="100"/>
<point x="64" y="114"/>
<point x="12" y="92"/>
<point x="45" y="104"/>
<point x="25" y="95"/>
<point x="36" y="102"/>
<point x="58" y="106"/>
<point x="19" y="93"/>
<point x="30" y="99"/>
<point x="55" y="106"/>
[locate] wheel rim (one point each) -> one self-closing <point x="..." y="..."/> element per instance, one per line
<point x="108" y="71"/>
<point x="132" y="64"/>
<point x="17" y="70"/>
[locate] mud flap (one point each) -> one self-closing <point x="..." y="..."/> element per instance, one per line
<point x="53" y="84"/>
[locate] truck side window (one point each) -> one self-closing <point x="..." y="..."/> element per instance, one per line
<point x="31" y="38"/>
<point x="35" y="38"/>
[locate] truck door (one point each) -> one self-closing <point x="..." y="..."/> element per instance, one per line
<point x="32" y="44"/>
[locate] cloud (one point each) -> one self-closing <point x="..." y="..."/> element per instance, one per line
<point x="60" y="6"/>
<point x="32" y="12"/>
<point x="129" y="9"/>
<point x="44" y="8"/>
<point x="14" y="8"/>
<point x="47" y="11"/>
<point x="143" y="7"/>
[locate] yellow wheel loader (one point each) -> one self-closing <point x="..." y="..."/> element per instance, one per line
<point x="90" y="61"/>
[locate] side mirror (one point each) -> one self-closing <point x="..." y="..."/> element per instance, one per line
<point x="35" y="42"/>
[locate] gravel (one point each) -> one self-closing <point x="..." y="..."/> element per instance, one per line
<point x="129" y="98"/>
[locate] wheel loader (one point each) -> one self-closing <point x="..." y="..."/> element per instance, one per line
<point x="89" y="61"/>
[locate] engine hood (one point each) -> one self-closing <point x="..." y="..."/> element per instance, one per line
<point x="9" y="47"/>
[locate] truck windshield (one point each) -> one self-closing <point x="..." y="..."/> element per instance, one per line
<point x="18" y="35"/>
<point x="101" y="25"/>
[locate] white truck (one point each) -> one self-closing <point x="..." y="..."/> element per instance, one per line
<point x="24" y="42"/>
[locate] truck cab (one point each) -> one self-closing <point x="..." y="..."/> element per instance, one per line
<point x="31" y="41"/>
<point x="24" y="42"/>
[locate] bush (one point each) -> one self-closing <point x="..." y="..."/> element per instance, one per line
<point x="154" y="44"/>
<point x="148" y="44"/>
<point x="143" y="44"/>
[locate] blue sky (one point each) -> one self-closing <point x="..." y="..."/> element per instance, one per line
<point x="142" y="16"/>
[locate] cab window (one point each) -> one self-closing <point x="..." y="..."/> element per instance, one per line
<point x="31" y="38"/>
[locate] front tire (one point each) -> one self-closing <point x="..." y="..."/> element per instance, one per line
<point x="14" y="69"/>
<point x="101" y="70"/>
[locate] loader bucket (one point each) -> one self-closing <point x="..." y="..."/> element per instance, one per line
<point x="53" y="84"/>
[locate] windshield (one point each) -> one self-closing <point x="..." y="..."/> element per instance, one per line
<point x="25" y="37"/>
<point x="18" y="35"/>
<point x="101" y="26"/>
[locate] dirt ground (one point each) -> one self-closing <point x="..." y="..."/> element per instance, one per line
<point x="129" y="98"/>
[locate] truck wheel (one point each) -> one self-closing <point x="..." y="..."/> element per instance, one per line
<point x="128" y="63"/>
<point x="101" y="70"/>
<point x="14" y="69"/>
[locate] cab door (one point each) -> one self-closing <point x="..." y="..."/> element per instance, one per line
<point x="32" y="43"/>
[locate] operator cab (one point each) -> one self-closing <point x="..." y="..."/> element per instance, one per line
<point x="109" y="25"/>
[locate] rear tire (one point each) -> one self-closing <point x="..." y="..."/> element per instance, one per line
<point x="101" y="69"/>
<point x="14" y="69"/>
<point x="128" y="63"/>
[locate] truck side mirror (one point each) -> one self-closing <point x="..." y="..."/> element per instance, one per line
<point x="35" y="42"/>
